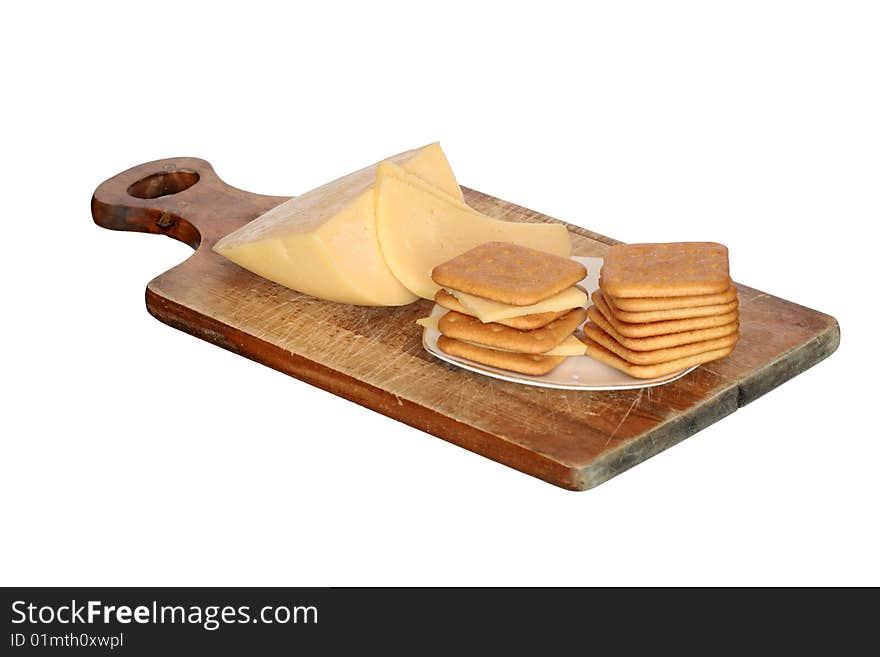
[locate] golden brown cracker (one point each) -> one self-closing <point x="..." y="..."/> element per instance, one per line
<point x="672" y="269"/>
<point x="600" y="353"/>
<point x="644" y="304"/>
<point x="652" y="329"/>
<point x="660" y="341"/>
<point x="531" y="364"/>
<point x="523" y="323"/>
<point x="670" y="313"/>
<point x="596" y="334"/>
<point x="509" y="273"/>
<point x="464" y="327"/>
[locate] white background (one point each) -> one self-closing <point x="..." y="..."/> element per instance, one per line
<point x="135" y="454"/>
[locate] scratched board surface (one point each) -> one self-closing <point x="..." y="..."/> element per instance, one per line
<point x="374" y="356"/>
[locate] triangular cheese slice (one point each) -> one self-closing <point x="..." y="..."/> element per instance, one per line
<point x="420" y="227"/>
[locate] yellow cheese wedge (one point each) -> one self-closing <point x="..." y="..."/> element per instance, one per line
<point x="487" y="310"/>
<point x="420" y="227"/>
<point x="571" y="346"/>
<point x="324" y="242"/>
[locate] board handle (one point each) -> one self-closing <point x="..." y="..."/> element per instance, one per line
<point x="181" y="197"/>
<point x="153" y="198"/>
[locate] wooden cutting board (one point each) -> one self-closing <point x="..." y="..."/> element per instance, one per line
<point x="374" y="356"/>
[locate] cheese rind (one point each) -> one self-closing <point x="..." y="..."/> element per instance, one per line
<point x="324" y="242"/>
<point x="487" y="310"/>
<point x="420" y="227"/>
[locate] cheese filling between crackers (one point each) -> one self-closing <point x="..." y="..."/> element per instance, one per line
<point x="570" y="346"/>
<point x="487" y="310"/>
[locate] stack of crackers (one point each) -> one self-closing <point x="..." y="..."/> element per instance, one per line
<point x="661" y="308"/>
<point x="498" y="295"/>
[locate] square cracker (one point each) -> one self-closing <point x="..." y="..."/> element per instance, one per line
<point x="651" y="329"/>
<point x="531" y="364"/>
<point x="644" y="304"/>
<point x="673" y="269"/>
<point x="596" y="334"/>
<point x="660" y="341"/>
<point x="509" y="273"/>
<point x="464" y="327"/>
<point x="600" y="353"/>
<point x="523" y="323"/>
<point x="646" y="316"/>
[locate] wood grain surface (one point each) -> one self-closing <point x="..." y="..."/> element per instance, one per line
<point x="374" y="356"/>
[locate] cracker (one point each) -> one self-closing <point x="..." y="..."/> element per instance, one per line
<point x="660" y="341"/>
<point x="523" y="323"/>
<point x="600" y="353"/>
<point x="464" y="327"/>
<point x="674" y="269"/>
<point x="670" y="313"/>
<point x="644" y="304"/>
<point x="596" y="334"/>
<point x="509" y="273"/>
<point x="652" y="329"/>
<point x="532" y="364"/>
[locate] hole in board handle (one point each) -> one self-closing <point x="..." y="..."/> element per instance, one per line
<point x="163" y="184"/>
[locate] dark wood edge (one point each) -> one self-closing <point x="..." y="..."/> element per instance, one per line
<point x="663" y="436"/>
<point x="785" y="367"/>
<point x="364" y="394"/>
<point x="728" y="400"/>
